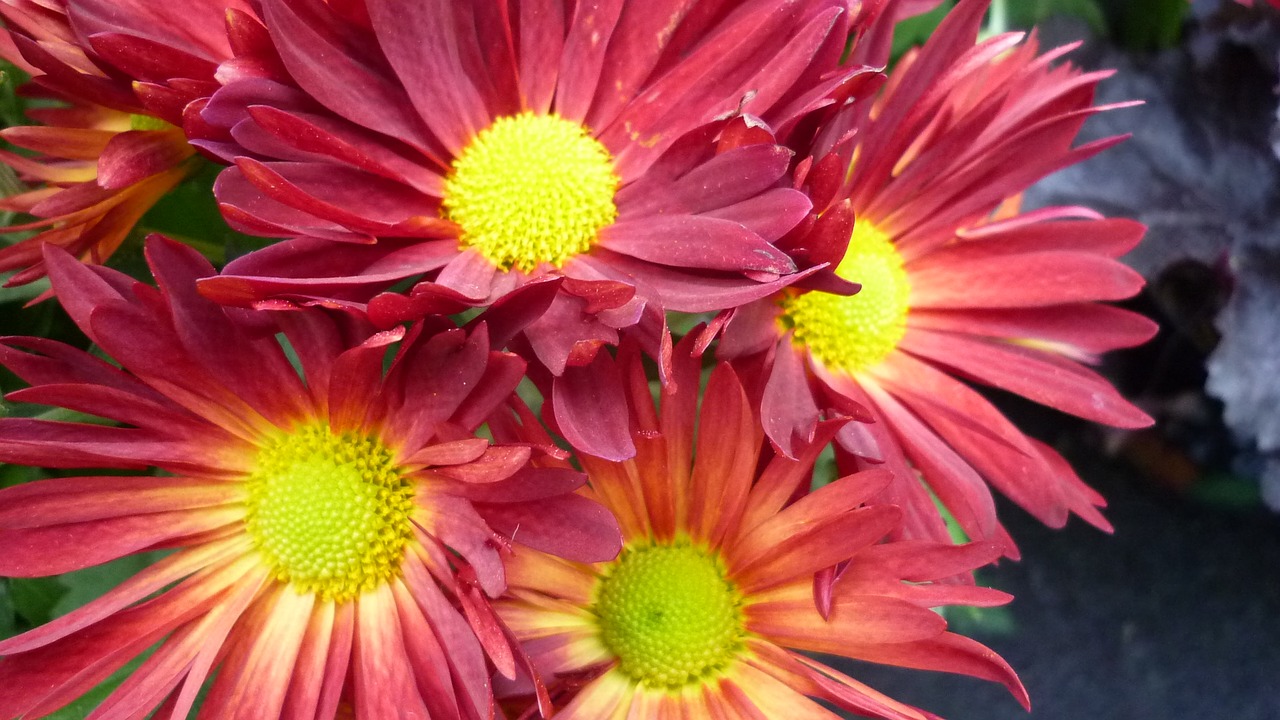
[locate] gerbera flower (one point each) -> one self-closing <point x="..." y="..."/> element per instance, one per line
<point x="627" y="147"/>
<point x="124" y="78"/>
<point x="706" y="611"/>
<point x="955" y="284"/>
<point x="336" y="534"/>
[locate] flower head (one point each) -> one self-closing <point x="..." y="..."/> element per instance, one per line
<point x="708" y="608"/>
<point x="126" y="77"/>
<point x="337" y="530"/>
<point x="957" y="284"/>
<point x="629" y="149"/>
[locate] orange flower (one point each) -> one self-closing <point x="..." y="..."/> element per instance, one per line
<point x="707" y="611"/>
<point x="336" y="533"/>
<point x="125" y="76"/>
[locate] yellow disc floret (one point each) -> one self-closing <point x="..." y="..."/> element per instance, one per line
<point x="855" y="332"/>
<point x="330" y="513"/>
<point x="669" y="615"/>
<point x="531" y="189"/>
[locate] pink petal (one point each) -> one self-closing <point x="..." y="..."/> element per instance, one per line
<point x="567" y="526"/>
<point x="726" y="179"/>
<point x="321" y="56"/>
<point x="383" y="683"/>
<point x="1034" y="374"/>
<point x="1024" y="280"/>
<point x="591" y="411"/>
<point x="693" y="292"/>
<point x="946" y="653"/>
<point x="70" y="500"/>
<point x="542" y="36"/>
<point x="314" y="266"/>
<point x="444" y="78"/>
<point x="770" y="214"/>
<point x="695" y="242"/>
<point x="789" y="414"/>
<point x="724" y="460"/>
<point x="36" y="552"/>
<point x="1080" y="329"/>
<point x="583" y="57"/>
<point x="855" y="621"/>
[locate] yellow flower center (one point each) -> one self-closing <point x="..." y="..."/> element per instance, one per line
<point x="855" y="332"/>
<point x="329" y="512"/>
<point x="669" y="615"/>
<point x="531" y="189"/>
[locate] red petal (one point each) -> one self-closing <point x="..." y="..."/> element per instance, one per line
<point x="697" y="242"/>
<point x="1023" y="280"/>
<point x="1034" y="374"/>
<point x="445" y="79"/>
<point x="567" y="526"/>
<point x="591" y="410"/>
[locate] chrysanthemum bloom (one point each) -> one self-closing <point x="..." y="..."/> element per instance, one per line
<point x="628" y="147"/>
<point x="955" y="286"/>
<point x="336" y="535"/>
<point x="125" y="77"/>
<point x="702" y="614"/>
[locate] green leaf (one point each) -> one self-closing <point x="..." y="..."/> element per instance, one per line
<point x="34" y="598"/>
<point x="11" y="475"/>
<point x="82" y="586"/>
<point x="1029" y="13"/>
<point x="1228" y="492"/>
<point x="967" y="620"/>
<point x="1148" y="24"/>
<point x="189" y="213"/>
<point x="85" y="704"/>
<point x="8" y="615"/>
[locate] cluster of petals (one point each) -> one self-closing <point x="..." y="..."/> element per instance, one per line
<point x="743" y="155"/>
<point x="124" y="78"/>
<point x="704" y="476"/>
<point x="935" y="164"/>
<point x="199" y="392"/>
<point x="344" y="121"/>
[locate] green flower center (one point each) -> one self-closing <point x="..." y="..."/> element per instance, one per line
<point x="330" y="513"/>
<point x="855" y="332"/>
<point x="531" y="189"/>
<point x="670" y="615"/>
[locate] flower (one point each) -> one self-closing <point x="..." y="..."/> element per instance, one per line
<point x="627" y="148"/>
<point x="956" y="285"/>
<point x="707" y="610"/>
<point x="336" y="530"/>
<point x="123" y="76"/>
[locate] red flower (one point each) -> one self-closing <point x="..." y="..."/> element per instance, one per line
<point x="336" y="529"/>
<point x="626" y="147"/>
<point x="129" y="74"/>
<point x="954" y="283"/>
<point x="707" y="611"/>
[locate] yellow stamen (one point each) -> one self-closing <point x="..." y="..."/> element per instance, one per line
<point x="330" y="513"/>
<point x="531" y="190"/>
<point x="856" y="332"/>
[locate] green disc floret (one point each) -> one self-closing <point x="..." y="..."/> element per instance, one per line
<point x="670" y="615"/>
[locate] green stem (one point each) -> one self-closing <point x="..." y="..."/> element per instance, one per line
<point x="997" y="19"/>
